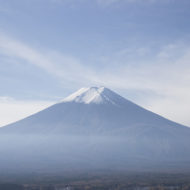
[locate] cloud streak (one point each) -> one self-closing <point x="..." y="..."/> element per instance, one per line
<point x="107" y="3"/>
<point x="12" y="110"/>
<point x="52" y="62"/>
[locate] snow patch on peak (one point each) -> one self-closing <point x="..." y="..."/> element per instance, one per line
<point x="95" y="95"/>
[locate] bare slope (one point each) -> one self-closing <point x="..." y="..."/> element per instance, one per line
<point x="95" y="128"/>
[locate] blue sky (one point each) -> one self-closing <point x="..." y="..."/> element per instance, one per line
<point x="50" y="48"/>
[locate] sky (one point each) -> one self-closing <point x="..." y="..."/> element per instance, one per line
<point x="51" y="48"/>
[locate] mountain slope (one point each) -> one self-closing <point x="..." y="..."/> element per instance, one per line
<point x="96" y="128"/>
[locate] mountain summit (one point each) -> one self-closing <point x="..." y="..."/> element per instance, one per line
<point x="96" y="128"/>
<point x="96" y="95"/>
<point x="87" y="95"/>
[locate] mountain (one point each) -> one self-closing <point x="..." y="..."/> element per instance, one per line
<point x="95" y="128"/>
<point x="95" y="110"/>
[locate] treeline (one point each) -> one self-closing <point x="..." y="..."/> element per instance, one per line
<point x="101" y="186"/>
<point x="11" y="187"/>
<point x="145" y="181"/>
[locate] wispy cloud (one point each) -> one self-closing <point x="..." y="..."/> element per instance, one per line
<point x="12" y="110"/>
<point x="166" y="75"/>
<point x="109" y="2"/>
<point x="63" y="66"/>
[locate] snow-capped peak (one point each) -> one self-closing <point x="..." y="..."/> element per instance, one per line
<point x="97" y="95"/>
